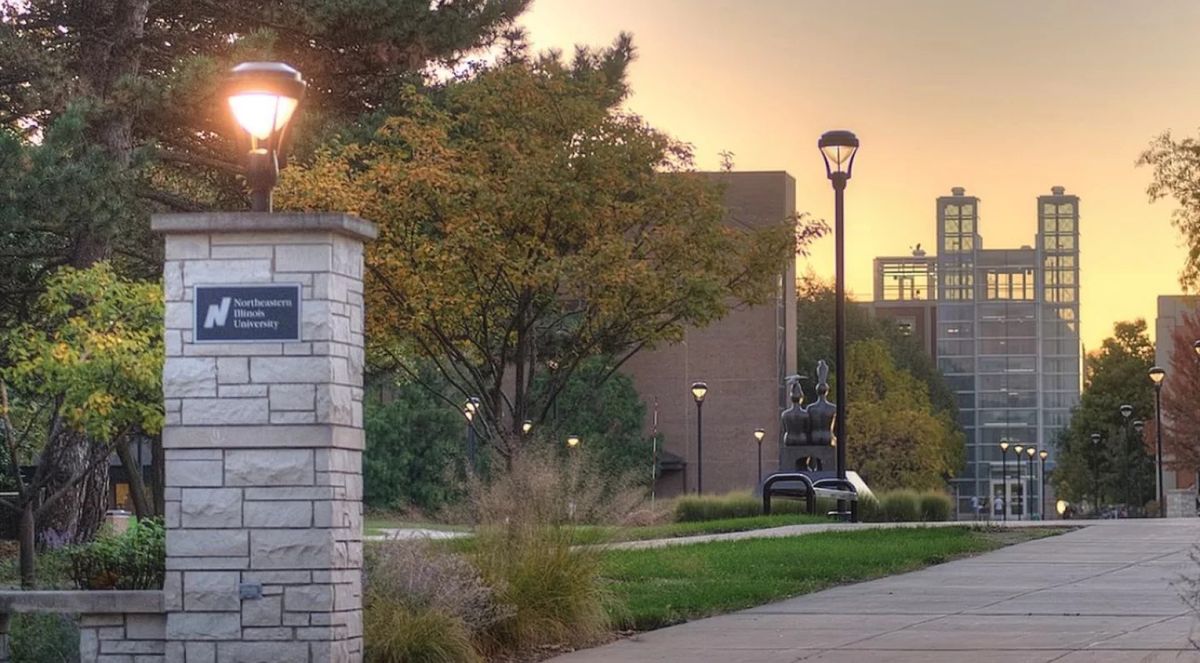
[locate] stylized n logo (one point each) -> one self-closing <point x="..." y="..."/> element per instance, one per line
<point x="217" y="313"/>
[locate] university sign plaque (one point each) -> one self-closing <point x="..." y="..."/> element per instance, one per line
<point x="247" y="313"/>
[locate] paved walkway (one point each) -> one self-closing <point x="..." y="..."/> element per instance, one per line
<point x="1105" y="593"/>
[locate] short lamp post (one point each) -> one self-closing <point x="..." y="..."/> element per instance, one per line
<point x="699" y="390"/>
<point x="263" y="97"/>
<point x="1139" y="430"/>
<point x="1004" y="477"/>
<point x="1019" y="499"/>
<point x="759" y="434"/>
<point x="470" y="409"/>
<point x="572" y="441"/>
<point x="1042" y="488"/>
<point x="526" y="427"/>
<point x="1126" y="411"/>
<point x="1096" y="471"/>
<point x="1157" y="375"/>
<point x="1031" y="452"/>
<point x="838" y="149"/>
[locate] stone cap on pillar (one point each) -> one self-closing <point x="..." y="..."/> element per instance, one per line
<point x="264" y="222"/>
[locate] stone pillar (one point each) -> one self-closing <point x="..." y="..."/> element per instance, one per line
<point x="263" y="440"/>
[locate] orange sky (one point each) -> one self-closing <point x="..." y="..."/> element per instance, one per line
<point x="1003" y="98"/>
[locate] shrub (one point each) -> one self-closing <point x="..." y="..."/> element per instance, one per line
<point x="900" y="506"/>
<point x="737" y="504"/>
<point x="133" y="559"/>
<point x="869" y="510"/>
<point x="44" y="638"/>
<point x="935" y="506"/>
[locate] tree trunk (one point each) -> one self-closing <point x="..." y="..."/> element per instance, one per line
<point x="25" y="539"/>
<point x="160" y="474"/>
<point x="79" y="512"/>
<point x="137" y="487"/>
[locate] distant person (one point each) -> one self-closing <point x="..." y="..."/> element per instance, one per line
<point x="976" y="506"/>
<point x="998" y="506"/>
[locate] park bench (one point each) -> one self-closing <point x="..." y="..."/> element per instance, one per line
<point x="810" y="486"/>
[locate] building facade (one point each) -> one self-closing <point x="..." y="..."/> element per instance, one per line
<point x="744" y="358"/>
<point x="1003" y="326"/>
<point x="1179" y="484"/>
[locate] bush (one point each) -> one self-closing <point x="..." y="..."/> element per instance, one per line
<point x="133" y="559"/>
<point x="738" y="504"/>
<point x="44" y="638"/>
<point x="869" y="510"/>
<point x="935" y="506"/>
<point x="900" y="506"/>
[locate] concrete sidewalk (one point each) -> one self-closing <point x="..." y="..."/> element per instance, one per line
<point x="1106" y="592"/>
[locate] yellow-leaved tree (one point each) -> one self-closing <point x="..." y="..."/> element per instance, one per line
<point x="527" y="223"/>
<point x="86" y="364"/>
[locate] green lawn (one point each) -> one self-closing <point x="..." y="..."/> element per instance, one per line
<point x="674" y="584"/>
<point x="674" y="530"/>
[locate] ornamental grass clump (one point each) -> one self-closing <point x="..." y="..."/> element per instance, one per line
<point x="736" y="504"/>
<point x="422" y="603"/>
<point x="527" y="518"/>
<point x="899" y="506"/>
<point x="935" y="506"/>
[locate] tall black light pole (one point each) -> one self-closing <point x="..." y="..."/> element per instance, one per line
<point x="1096" y="470"/>
<point x="1156" y="376"/>
<point x="699" y="389"/>
<point x="1042" y="476"/>
<point x="1004" y="477"/>
<point x="1031" y="452"/>
<point x="759" y="434"/>
<point x="470" y="409"/>
<point x="263" y="97"/>
<point x="1126" y="411"/>
<point x="1020" y="499"/>
<point x="1139" y="428"/>
<point x="838" y="149"/>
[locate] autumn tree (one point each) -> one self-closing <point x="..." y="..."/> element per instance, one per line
<point x="1114" y="375"/>
<point x="86" y="364"/>
<point x="527" y="224"/>
<point x="1181" y="397"/>
<point x="896" y="438"/>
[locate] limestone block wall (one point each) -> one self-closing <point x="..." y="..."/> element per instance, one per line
<point x="122" y="638"/>
<point x="263" y="446"/>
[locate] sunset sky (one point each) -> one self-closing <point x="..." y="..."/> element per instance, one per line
<point x="1003" y="98"/>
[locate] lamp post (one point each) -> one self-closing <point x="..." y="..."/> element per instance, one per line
<point x="263" y="97"/>
<point x="1019" y="499"/>
<point x="759" y="434"/>
<point x="1156" y="376"/>
<point x="1126" y="411"/>
<point x="1096" y="470"/>
<point x="838" y="149"/>
<point x="699" y="389"/>
<point x="1139" y="428"/>
<point x="1042" y="488"/>
<point x="1031" y="452"/>
<point x="1004" y="477"/>
<point x="469" y="410"/>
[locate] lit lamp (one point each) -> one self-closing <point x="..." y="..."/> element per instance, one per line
<point x="759" y="434"/>
<point x="263" y="97"/>
<point x="469" y="409"/>
<point x="572" y="441"/>
<point x="1004" y="476"/>
<point x="838" y="149"/>
<point x="1196" y="346"/>
<point x="526" y="426"/>
<point x="1019" y="498"/>
<point x="699" y="391"/>
<point x="1157" y="375"/>
<point x="1061" y="507"/>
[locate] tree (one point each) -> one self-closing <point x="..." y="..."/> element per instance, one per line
<point x="527" y="223"/>
<point x="1175" y="164"/>
<point x="414" y="443"/>
<point x="815" y="300"/>
<point x="897" y="440"/>
<point x="1119" y="467"/>
<point x="86" y="365"/>
<point x="1181" y="398"/>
